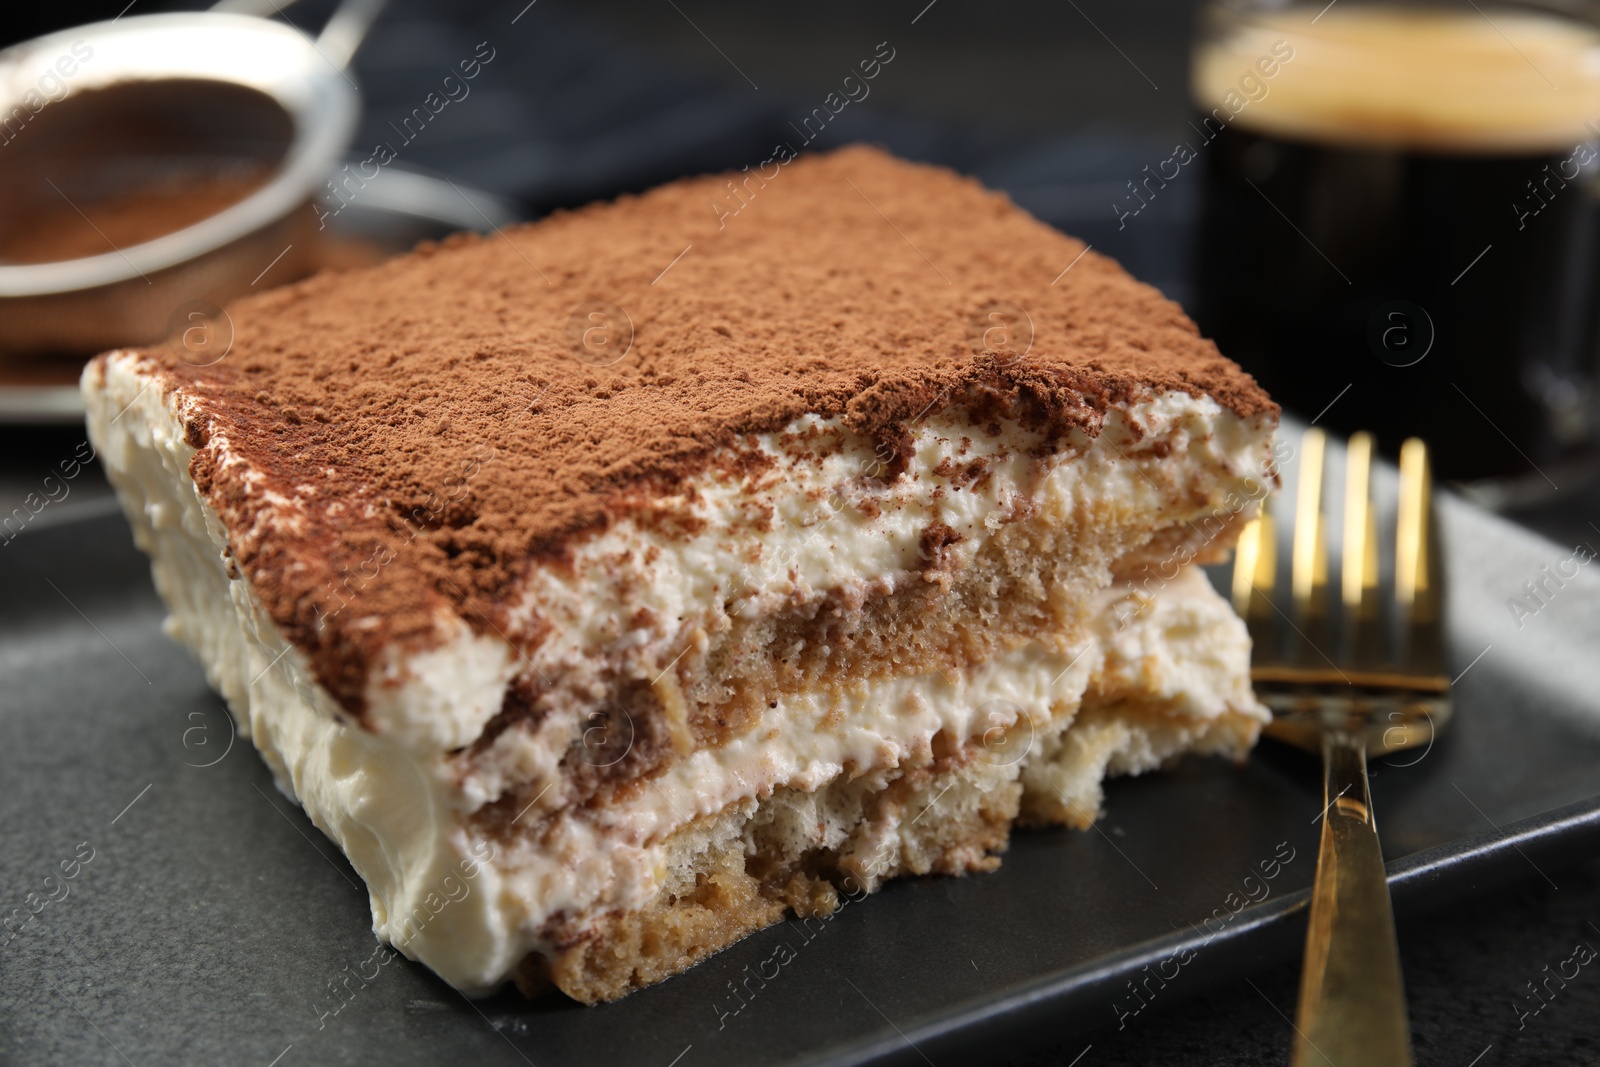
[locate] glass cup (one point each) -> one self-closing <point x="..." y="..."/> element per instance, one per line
<point x="1398" y="230"/>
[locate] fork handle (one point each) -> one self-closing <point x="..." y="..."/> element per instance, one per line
<point x="1352" y="1004"/>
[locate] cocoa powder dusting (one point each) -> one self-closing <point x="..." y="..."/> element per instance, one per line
<point x="442" y="419"/>
<point x="56" y="231"/>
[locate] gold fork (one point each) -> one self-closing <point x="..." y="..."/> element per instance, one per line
<point x="1346" y="680"/>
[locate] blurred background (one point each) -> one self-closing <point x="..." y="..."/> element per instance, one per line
<point x="1061" y="105"/>
<point x="592" y="99"/>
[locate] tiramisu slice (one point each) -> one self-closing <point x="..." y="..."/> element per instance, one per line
<point x="610" y="586"/>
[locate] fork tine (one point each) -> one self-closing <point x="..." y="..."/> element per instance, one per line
<point x="1309" y="564"/>
<point x="1418" y="579"/>
<point x="1410" y="544"/>
<point x="1255" y="572"/>
<point x="1357" y="471"/>
<point x="1358" y="574"/>
<point x="1307" y="509"/>
<point x="1246" y="559"/>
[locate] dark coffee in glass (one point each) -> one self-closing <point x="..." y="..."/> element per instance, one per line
<point x="1399" y="223"/>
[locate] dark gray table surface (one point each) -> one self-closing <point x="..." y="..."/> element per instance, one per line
<point x="1467" y="963"/>
<point x="1051" y="102"/>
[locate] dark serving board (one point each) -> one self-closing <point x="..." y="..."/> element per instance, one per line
<point x="213" y="919"/>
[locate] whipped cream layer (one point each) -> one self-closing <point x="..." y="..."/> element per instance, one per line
<point x="817" y="519"/>
<point x="784" y="520"/>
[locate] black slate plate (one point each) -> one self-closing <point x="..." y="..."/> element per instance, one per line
<point x="213" y="921"/>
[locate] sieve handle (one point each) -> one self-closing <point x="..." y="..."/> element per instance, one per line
<point x="338" y="40"/>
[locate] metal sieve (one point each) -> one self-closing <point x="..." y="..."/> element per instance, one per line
<point x="177" y="93"/>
